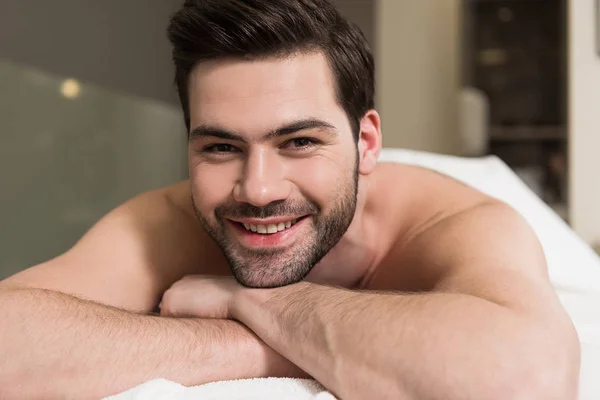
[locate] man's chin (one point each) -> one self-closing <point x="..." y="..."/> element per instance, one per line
<point x="267" y="285"/>
<point x="258" y="280"/>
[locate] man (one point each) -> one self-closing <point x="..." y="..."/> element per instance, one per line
<point x="290" y="251"/>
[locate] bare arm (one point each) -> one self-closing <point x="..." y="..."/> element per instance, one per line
<point x="493" y="327"/>
<point x="74" y="327"/>
<point x="57" y="346"/>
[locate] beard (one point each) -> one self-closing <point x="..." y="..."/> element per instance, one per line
<point x="268" y="268"/>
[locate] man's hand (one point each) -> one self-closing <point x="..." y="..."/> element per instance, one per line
<point x="200" y="296"/>
<point x="203" y="296"/>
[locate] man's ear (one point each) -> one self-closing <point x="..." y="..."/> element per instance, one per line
<point x="369" y="142"/>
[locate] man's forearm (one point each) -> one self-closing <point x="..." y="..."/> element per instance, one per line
<point x="367" y="345"/>
<point x="56" y="346"/>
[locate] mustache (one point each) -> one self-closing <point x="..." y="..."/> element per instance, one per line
<point x="273" y="209"/>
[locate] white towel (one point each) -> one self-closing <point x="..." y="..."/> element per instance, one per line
<point x="245" y="389"/>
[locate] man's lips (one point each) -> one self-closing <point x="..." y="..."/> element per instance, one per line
<point x="264" y="233"/>
<point x="266" y="221"/>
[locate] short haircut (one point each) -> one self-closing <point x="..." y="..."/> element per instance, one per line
<point x="205" y="30"/>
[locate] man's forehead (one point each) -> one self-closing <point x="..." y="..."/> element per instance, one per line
<point x="303" y="73"/>
<point x="258" y="92"/>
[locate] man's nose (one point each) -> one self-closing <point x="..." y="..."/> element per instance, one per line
<point x="263" y="180"/>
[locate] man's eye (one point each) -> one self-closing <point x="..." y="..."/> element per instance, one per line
<point x="220" y="148"/>
<point x="301" y="143"/>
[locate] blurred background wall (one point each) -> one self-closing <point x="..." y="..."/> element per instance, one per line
<point x="88" y="118"/>
<point x="418" y="61"/>
<point x="115" y="44"/>
<point x="89" y="115"/>
<point x="584" y="118"/>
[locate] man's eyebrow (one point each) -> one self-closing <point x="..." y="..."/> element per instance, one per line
<point x="213" y="131"/>
<point x="289" y="129"/>
<point x="301" y="125"/>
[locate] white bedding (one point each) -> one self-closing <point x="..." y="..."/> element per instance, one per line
<point x="574" y="270"/>
<point x="243" y="389"/>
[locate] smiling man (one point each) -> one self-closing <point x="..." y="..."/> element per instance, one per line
<point x="273" y="163"/>
<point x="290" y="251"/>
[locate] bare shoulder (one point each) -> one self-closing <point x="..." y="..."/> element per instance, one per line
<point x="487" y="250"/>
<point x="129" y="257"/>
<point x="414" y="198"/>
<point x="491" y="252"/>
<point x="488" y="233"/>
<point x="449" y="227"/>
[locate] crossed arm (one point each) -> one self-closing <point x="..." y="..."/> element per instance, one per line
<point x="491" y="327"/>
<point x="80" y="326"/>
<point x="410" y="346"/>
<point x="493" y="332"/>
<point x="57" y="346"/>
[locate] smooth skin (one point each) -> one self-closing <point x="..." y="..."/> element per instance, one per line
<point x="435" y="291"/>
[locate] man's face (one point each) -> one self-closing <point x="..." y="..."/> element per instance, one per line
<point x="273" y="164"/>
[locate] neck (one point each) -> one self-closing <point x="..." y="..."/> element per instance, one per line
<point x="353" y="256"/>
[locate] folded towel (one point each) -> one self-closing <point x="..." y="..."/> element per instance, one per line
<point x="246" y="389"/>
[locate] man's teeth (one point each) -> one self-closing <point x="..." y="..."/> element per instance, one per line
<point x="271" y="228"/>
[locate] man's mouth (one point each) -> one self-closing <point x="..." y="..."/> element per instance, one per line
<point x="277" y="232"/>
<point x="270" y="228"/>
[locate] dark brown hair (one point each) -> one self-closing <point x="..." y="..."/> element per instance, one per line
<point x="205" y="30"/>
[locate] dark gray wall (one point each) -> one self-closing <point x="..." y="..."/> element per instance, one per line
<point x="362" y="13"/>
<point x="119" y="44"/>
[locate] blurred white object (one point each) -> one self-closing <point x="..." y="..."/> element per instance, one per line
<point x="244" y="389"/>
<point x="473" y="122"/>
<point x="532" y="176"/>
